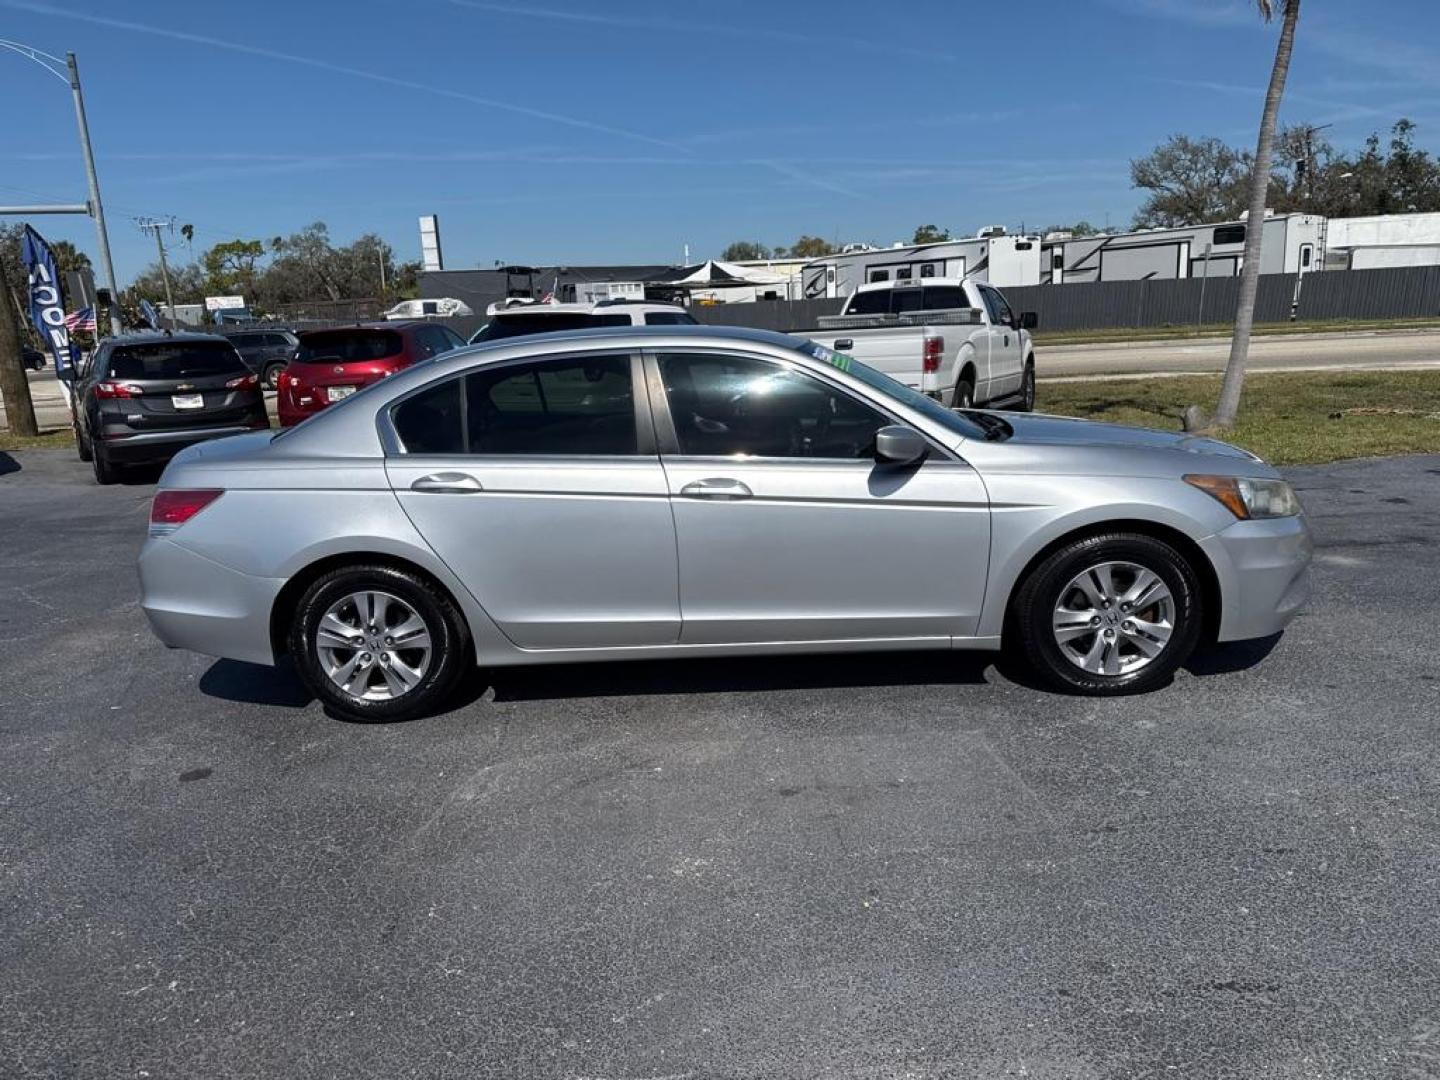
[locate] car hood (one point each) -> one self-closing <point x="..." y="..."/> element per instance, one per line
<point x="1061" y="444"/>
<point x="1039" y="429"/>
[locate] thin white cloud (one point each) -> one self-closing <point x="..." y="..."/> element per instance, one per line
<point x="325" y="65"/>
<point x="1209" y="13"/>
<point x="746" y="29"/>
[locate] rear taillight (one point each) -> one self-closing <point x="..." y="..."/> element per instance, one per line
<point x="934" y="351"/>
<point x="106" y="390"/>
<point x="173" y="508"/>
<point x="244" y="382"/>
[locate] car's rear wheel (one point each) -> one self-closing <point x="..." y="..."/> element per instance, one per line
<point x="105" y="473"/>
<point x="1115" y="613"/>
<point x="82" y="444"/>
<point x="964" y="397"/>
<point x="377" y="643"/>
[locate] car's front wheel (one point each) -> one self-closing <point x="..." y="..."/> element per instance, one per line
<point x="1114" y="613"/>
<point x="271" y="376"/>
<point x="377" y="643"/>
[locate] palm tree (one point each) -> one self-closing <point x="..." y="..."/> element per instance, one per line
<point x="1255" y="230"/>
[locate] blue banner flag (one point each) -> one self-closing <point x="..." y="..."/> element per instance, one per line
<point x="149" y="314"/>
<point x="47" y="305"/>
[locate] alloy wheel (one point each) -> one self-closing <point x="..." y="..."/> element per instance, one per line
<point x="373" y="646"/>
<point x="1114" y="618"/>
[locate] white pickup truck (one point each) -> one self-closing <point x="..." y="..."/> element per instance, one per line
<point x="956" y="340"/>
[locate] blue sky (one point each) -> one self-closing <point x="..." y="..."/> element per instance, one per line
<point x="577" y="131"/>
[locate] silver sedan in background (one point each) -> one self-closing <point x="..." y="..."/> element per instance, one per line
<point x="693" y="491"/>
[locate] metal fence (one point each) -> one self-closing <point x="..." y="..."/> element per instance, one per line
<point x="1396" y="293"/>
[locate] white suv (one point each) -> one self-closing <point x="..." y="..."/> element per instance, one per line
<point x="521" y="319"/>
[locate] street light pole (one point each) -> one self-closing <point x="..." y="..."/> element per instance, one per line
<point x="97" y="211"/>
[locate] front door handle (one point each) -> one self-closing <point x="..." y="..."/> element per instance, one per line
<point x="448" y="483"/>
<point x="841" y="344"/>
<point x="716" y="487"/>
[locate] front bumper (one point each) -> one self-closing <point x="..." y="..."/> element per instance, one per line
<point x="1263" y="571"/>
<point x="194" y="603"/>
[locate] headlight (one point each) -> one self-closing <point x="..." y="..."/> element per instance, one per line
<point x="1248" y="498"/>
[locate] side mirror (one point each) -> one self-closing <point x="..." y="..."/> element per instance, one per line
<point x="897" y="445"/>
<point x="1028" y="320"/>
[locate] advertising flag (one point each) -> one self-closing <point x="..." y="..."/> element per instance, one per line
<point x="47" y="305"/>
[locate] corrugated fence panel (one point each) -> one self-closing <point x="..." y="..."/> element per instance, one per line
<point x="1405" y="292"/>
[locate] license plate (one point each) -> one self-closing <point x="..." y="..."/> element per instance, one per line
<point x="188" y="401"/>
<point x="335" y="393"/>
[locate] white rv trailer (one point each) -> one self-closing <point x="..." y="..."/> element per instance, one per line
<point x="1380" y="240"/>
<point x="1294" y="243"/>
<point x="995" y="257"/>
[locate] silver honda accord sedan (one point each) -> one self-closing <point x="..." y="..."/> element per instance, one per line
<point x="693" y="491"/>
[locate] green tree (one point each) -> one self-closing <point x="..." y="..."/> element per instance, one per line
<point x="929" y="234"/>
<point x="744" y="251"/>
<point x="810" y="247"/>
<point x="1079" y="229"/>
<point x="1234" y="381"/>
<point x="232" y="267"/>
<point x="1190" y="182"/>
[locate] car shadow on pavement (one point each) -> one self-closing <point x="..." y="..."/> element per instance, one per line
<point x="1231" y="656"/>
<point x="739" y="674"/>
<point x="255" y="684"/>
<point x="8" y="464"/>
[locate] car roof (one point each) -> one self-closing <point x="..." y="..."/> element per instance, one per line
<point x="640" y="334"/>
<point x="585" y="309"/>
<point x="152" y="337"/>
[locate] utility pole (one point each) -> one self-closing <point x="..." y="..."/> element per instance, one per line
<point x="153" y="225"/>
<point x="97" y="211"/>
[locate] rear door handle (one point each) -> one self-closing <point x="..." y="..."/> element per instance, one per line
<point x="716" y="487"/>
<point x="448" y="483"/>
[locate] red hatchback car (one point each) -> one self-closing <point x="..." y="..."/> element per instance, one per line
<point x="332" y="364"/>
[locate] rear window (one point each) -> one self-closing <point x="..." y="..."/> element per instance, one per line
<point x="875" y="302"/>
<point x="175" y="360"/>
<point x="507" y="326"/>
<point x="349" y="345"/>
<point x="668" y="318"/>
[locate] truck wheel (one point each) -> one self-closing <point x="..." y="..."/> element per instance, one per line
<point x="1027" y="389"/>
<point x="964" y="394"/>
<point x="1115" y="613"/>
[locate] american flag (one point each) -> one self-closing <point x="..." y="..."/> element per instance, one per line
<point x="84" y="319"/>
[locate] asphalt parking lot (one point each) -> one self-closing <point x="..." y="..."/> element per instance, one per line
<point x="886" y="867"/>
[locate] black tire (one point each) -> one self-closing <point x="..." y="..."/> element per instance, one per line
<point x="1034" y="607"/>
<point x="964" y="396"/>
<point x="1027" y="389"/>
<point x="105" y="473"/>
<point x="450" y="646"/>
<point x="82" y="444"/>
<point x="270" y="376"/>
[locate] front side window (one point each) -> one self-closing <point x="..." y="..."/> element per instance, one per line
<point x="563" y="406"/>
<point x="725" y="405"/>
<point x="996" y="306"/>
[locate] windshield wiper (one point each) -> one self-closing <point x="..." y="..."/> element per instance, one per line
<point x="997" y="428"/>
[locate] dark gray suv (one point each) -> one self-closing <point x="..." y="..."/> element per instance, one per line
<point x="141" y="398"/>
<point x="266" y="351"/>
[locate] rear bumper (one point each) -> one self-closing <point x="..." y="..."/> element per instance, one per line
<point x="156" y="446"/>
<point x="194" y="603"/>
<point x="1263" y="568"/>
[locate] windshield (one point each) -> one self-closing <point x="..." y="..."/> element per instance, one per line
<point x="506" y="326"/>
<point x="927" y="406"/>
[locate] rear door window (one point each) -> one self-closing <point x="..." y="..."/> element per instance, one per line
<point x="346" y="346"/>
<point x="174" y="360"/>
